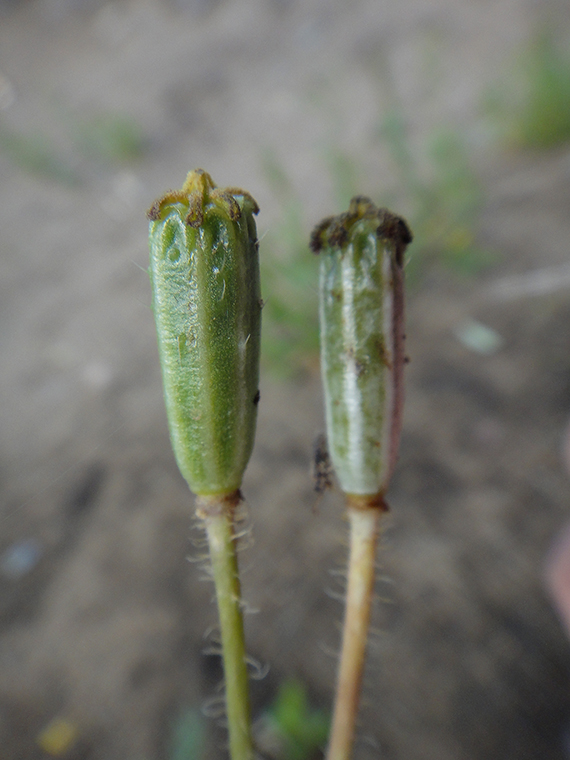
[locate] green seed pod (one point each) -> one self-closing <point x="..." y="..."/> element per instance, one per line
<point x="362" y="341"/>
<point x="204" y="272"/>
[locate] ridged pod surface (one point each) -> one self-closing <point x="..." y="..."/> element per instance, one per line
<point x="362" y="342"/>
<point x="204" y="272"/>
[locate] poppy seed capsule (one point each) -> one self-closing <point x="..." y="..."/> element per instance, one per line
<point x="204" y="272"/>
<point x="362" y="341"/>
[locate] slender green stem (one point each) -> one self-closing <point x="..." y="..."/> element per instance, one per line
<point x="364" y="531"/>
<point x="217" y="514"/>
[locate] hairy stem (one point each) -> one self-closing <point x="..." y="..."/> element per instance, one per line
<point x="217" y="514"/>
<point x="364" y="530"/>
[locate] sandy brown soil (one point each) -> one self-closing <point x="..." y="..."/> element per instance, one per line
<point x="106" y="629"/>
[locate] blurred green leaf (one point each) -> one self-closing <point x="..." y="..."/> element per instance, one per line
<point x="303" y="730"/>
<point x="445" y="200"/>
<point x="110" y="137"/>
<point x="188" y="737"/>
<point x="35" y="154"/>
<point x="531" y="105"/>
<point x="290" y="338"/>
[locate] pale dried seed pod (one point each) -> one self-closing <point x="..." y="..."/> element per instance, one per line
<point x="362" y="342"/>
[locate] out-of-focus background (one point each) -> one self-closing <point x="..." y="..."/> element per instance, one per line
<point x="454" y="114"/>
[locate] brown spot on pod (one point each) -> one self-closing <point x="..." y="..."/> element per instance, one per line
<point x="322" y="468"/>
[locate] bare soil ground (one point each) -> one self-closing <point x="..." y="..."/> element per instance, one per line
<point x="106" y="626"/>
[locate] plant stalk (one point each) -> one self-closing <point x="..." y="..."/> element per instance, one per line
<point x="364" y="518"/>
<point x="217" y="514"/>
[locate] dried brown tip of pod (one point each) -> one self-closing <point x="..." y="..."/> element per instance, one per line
<point x="238" y="191"/>
<point x="316" y="242"/>
<point x="395" y="229"/>
<point x="154" y="211"/>
<point x="333" y="230"/>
